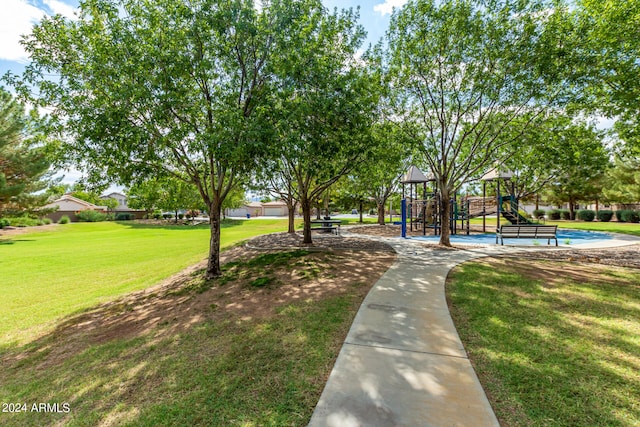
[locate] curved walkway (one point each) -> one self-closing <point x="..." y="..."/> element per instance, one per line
<point x="402" y="363"/>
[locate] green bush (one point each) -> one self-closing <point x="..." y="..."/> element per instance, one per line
<point x="180" y="216"/>
<point x="91" y="216"/>
<point x="4" y="222"/>
<point x="586" y="215"/>
<point x="565" y="214"/>
<point x="46" y="221"/>
<point x="125" y="217"/>
<point x="24" y="221"/>
<point x="605" y="215"/>
<point x="64" y="219"/>
<point x="538" y="213"/>
<point x="554" y="214"/>
<point x="628" y="215"/>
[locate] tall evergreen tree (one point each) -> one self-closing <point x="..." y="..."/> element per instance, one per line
<point x="23" y="159"/>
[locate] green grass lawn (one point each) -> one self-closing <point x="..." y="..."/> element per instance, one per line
<point x="553" y="345"/>
<point x="47" y="275"/>
<point x="203" y="364"/>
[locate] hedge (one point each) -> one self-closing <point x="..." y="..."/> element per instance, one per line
<point x="586" y="215"/>
<point x="605" y="215"/>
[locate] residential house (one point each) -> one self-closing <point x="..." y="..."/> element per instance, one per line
<point x="69" y="206"/>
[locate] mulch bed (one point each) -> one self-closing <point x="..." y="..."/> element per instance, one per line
<point x="289" y="240"/>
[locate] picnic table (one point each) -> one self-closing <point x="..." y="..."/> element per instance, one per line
<point x="326" y="225"/>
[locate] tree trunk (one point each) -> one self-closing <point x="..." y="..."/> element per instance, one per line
<point x="360" y="210"/>
<point x="444" y="226"/>
<point x="213" y="265"/>
<point x="571" y="210"/>
<point x="292" y="216"/>
<point x="306" y="216"/>
<point x="176" y="220"/>
<point x="381" y="213"/>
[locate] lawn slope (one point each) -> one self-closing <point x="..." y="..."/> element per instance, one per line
<point x="47" y="275"/>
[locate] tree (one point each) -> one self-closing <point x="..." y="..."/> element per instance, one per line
<point x="163" y="88"/>
<point x="581" y="178"/>
<point x="543" y="154"/>
<point x="145" y="195"/>
<point x="325" y="105"/>
<point x="177" y="194"/>
<point x="23" y="158"/>
<point x="607" y="63"/>
<point x="379" y="177"/>
<point x="623" y="181"/>
<point x="464" y="71"/>
<point x="275" y="178"/>
<point x="235" y="199"/>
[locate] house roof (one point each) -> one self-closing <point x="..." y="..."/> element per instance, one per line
<point x="254" y="205"/>
<point x="275" y="203"/>
<point x="113" y="194"/>
<point x="70" y="198"/>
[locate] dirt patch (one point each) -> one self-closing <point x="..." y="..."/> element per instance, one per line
<point x="15" y="231"/>
<point x="173" y="306"/>
<point x="320" y="241"/>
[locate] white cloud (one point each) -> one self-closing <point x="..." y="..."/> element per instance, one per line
<point x="17" y="18"/>
<point x="386" y="8"/>
<point x="61" y="8"/>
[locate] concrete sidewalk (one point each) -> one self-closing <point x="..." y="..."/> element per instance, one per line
<point x="402" y="363"/>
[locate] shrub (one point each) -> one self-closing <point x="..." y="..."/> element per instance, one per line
<point x="164" y="216"/>
<point x="586" y="215"/>
<point x="46" y="221"/>
<point x="565" y="214"/>
<point x="4" y="222"/>
<point x="628" y="215"/>
<point x="180" y="216"/>
<point x="125" y="217"/>
<point x="538" y="213"/>
<point x="24" y="221"/>
<point x="554" y="214"/>
<point x="90" y="215"/>
<point x="64" y="219"/>
<point x="157" y="215"/>
<point x="605" y="215"/>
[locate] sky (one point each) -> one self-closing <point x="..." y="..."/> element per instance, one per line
<point x="19" y="16"/>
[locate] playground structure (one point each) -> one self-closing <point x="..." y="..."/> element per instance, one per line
<point x="425" y="213"/>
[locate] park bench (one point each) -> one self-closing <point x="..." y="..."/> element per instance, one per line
<point x="327" y="225"/>
<point x="527" y="231"/>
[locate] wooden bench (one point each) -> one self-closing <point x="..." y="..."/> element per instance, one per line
<point x="527" y="231"/>
<point x="328" y="225"/>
